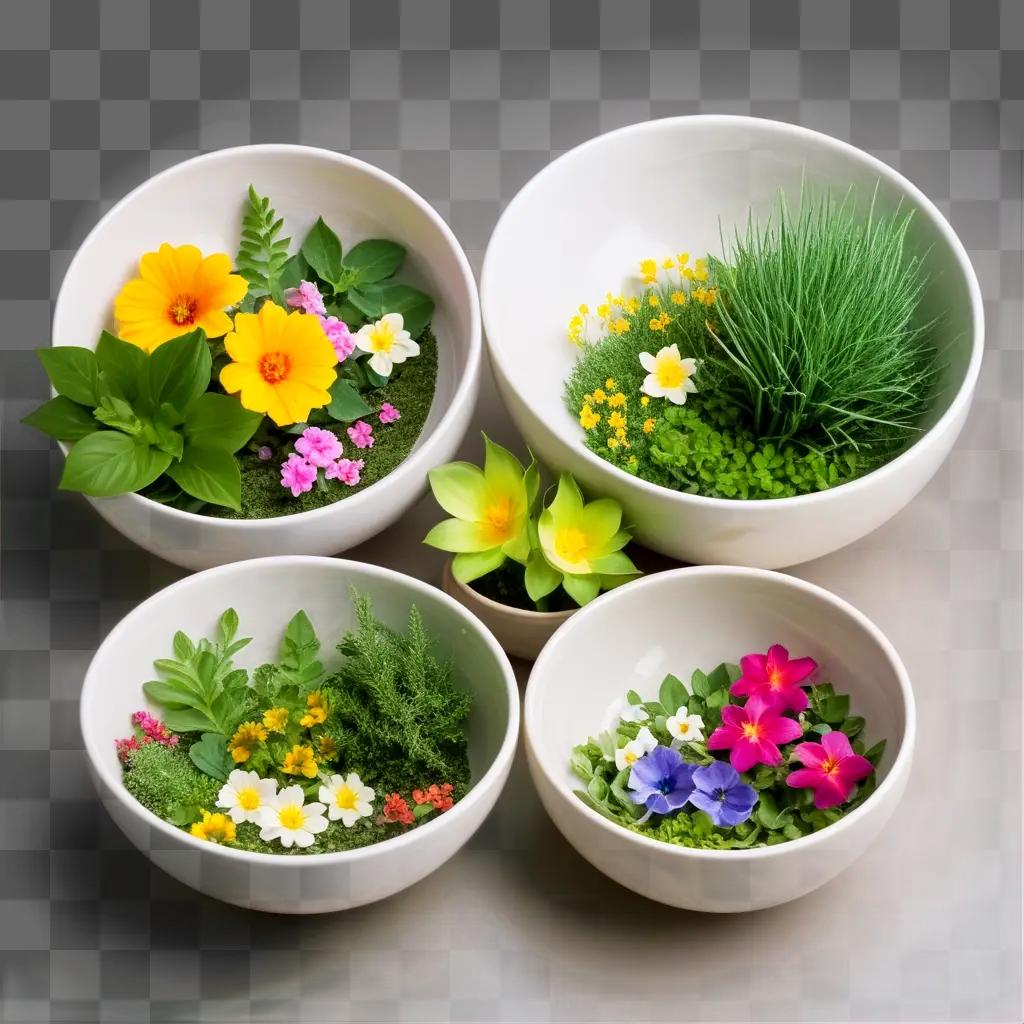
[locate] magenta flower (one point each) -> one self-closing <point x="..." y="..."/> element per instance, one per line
<point x="306" y="297"/>
<point x="319" y="447"/>
<point x="361" y="434"/>
<point x="153" y="730"/>
<point x="298" y="474"/>
<point x="831" y="769"/>
<point x="776" y="677"/>
<point x="338" y="335"/>
<point x="345" y="470"/>
<point x="388" y="413"/>
<point x="126" y="747"/>
<point x="752" y="733"/>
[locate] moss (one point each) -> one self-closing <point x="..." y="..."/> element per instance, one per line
<point x="411" y="392"/>
<point x="165" y="780"/>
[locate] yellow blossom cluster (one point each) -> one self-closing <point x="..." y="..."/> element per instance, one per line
<point x="615" y="401"/>
<point x="612" y="314"/>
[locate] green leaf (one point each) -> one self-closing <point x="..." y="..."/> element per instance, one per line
<point x="294" y="272"/>
<point x="188" y="719"/>
<point x="262" y="255"/>
<point x="227" y="626"/>
<point x="420" y="811"/>
<point x="123" y="366"/>
<point x="167" y="695"/>
<point x="210" y="474"/>
<point x="220" y="421"/>
<point x="835" y="708"/>
<point x="299" y="648"/>
<point x="598" y="789"/>
<point x="720" y="676"/>
<point x="367" y="301"/>
<point x="634" y="698"/>
<point x="672" y="694"/>
<point x="168" y="440"/>
<point x="183" y="646"/>
<point x="107" y="462"/>
<point x="373" y="260"/>
<point x="347" y="404"/>
<point x="699" y="683"/>
<point x="717" y="699"/>
<point x="874" y="754"/>
<point x="210" y="755"/>
<point x="415" y="306"/>
<point x="179" y="371"/>
<point x="118" y="414"/>
<point x="853" y="726"/>
<point x="62" y="419"/>
<point x="469" y="566"/>
<point x="183" y="814"/>
<point x="72" y="371"/>
<point x="582" y="589"/>
<point x="322" y="251"/>
<point x="541" y="577"/>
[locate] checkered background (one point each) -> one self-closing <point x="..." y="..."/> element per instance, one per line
<point x="465" y="100"/>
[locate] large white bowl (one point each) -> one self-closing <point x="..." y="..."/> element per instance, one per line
<point x="200" y="201"/>
<point x="578" y="230"/>
<point x="696" y="618"/>
<point x="266" y="593"/>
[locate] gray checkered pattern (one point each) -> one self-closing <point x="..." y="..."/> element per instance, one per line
<point x="465" y="100"/>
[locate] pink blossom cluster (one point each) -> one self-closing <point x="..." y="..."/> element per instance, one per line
<point x="318" y="449"/>
<point x="307" y="297"/>
<point x="148" y="729"/>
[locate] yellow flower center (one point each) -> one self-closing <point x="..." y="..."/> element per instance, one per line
<point x="571" y="544"/>
<point x="830" y="765"/>
<point x="775" y="679"/>
<point x="382" y="337"/>
<point x="275" y="367"/>
<point x="182" y="310"/>
<point x="669" y="373"/>
<point x="248" y="799"/>
<point x="498" y="519"/>
<point x="631" y="756"/>
<point x="291" y="817"/>
<point x="752" y="730"/>
<point x="346" y="798"/>
<point x="684" y="727"/>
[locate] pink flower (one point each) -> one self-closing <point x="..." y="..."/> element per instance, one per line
<point x="345" y="470"/>
<point x="298" y="474"/>
<point x="752" y="733"/>
<point x="831" y="769"/>
<point x="125" y="748"/>
<point x="319" y="447"/>
<point x="388" y="413"/>
<point x="338" y="335"/>
<point x="306" y="297"/>
<point x="361" y="434"/>
<point x="153" y="730"/>
<point x="775" y="677"/>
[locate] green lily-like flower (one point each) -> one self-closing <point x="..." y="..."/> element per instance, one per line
<point x="490" y="510"/>
<point x="578" y="545"/>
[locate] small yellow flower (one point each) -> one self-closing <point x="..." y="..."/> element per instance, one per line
<point x="645" y="401"/>
<point x="678" y="298"/>
<point x="653" y="301"/>
<point x="616" y="421"/>
<point x="665" y="319"/>
<point x="276" y="719"/>
<point x="700" y="270"/>
<point x="648" y="425"/>
<point x="584" y="309"/>
<point x="599" y="396"/>
<point x="604" y="311"/>
<point x="246" y="738"/>
<point x="621" y="435"/>
<point x="683" y="258"/>
<point x="617" y="400"/>
<point x="619" y="325"/>
<point x="656" y="324"/>
<point x="299" y="761"/>
<point x="610" y="383"/>
<point x="632" y="460"/>
<point x="588" y="418"/>
<point x="632" y="304"/>
<point x="317" y="713"/>
<point x="649" y="271"/>
<point x="668" y="263"/>
<point x="214" y="828"/>
<point x="327" y="747"/>
<point x="613" y="443"/>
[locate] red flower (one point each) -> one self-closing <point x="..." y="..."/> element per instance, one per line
<point x="396" y="810"/>
<point x="125" y="748"/>
<point x="776" y="677"/>
<point x="752" y="733"/>
<point x="439" y="796"/>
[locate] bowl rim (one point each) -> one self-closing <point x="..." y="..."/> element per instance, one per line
<point x="489" y="604"/>
<point x="92" y="691"/>
<point x="466" y="383"/>
<point x="957" y="405"/>
<point x="900" y="764"/>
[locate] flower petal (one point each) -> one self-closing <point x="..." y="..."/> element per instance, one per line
<point x="600" y="522"/>
<point x="458" y="535"/>
<point x="458" y="488"/>
<point x="582" y="589"/>
<point x="469" y="566"/>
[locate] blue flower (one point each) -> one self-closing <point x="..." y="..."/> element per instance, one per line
<point x="719" y="792"/>
<point x="661" y="780"/>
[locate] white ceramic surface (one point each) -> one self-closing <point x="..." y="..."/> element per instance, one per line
<point x="578" y="230"/>
<point x="696" y="618"/>
<point x="200" y="201"/>
<point x="266" y="593"/>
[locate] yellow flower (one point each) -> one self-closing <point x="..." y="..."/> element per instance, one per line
<point x="683" y="258"/>
<point x="668" y="263"/>
<point x="327" y="747"/>
<point x="177" y="291"/>
<point x="654" y="301"/>
<point x="649" y="271"/>
<point x="678" y="298"/>
<point x="616" y="421"/>
<point x="665" y="319"/>
<point x="613" y="443"/>
<point x="632" y="460"/>
<point x="648" y="425"/>
<point x="584" y="309"/>
<point x="604" y="310"/>
<point x="645" y="401"/>
<point x="617" y="400"/>
<point x="619" y="325"/>
<point x="632" y="304"/>
<point x="283" y="363"/>
<point x="588" y="418"/>
<point x="317" y="713"/>
<point x="610" y="383"/>
<point x="700" y="270"/>
<point x="299" y="761"/>
<point x="599" y="396"/>
<point x="247" y="736"/>
<point x="621" y="435"/>
<point x="214" y="828"/>
<point x="588" y="399"/>
<point x="656" y="324"/>
<point x="276" y="719"/>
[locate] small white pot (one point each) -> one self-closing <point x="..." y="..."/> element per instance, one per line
<point x="266" y="593"/>
<point x="521" y="632"/>
<point x="686" y="183"/>
<point x="200" y="202"/>
<point x="697" y="618"/>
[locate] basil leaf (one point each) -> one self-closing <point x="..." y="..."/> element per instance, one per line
<point x="835" y="708"/>
<point x="210" y="755"/>
<point x="72" y="371"/>
<point x="108" y="462"/>
<point x="210" y="474"/>
<point x="415" y="306"/>
<point x="374" y="259"/>
<point x="322" y="251"/>
<point x="62" y="419"/>
<point x="179" y="371"/>
<point x="347" y="405"/>
<point x="122" y="366"/>
<point x="672" y="694"/>
<point x="220" y="421"/>
<point x="117" y="413"/>
<point x="699" y="684"/>
<point x="367" y="301"/>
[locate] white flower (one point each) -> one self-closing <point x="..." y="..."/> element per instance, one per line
<point x="685" y="728"/>
<point x="668" y="375"/>
<point x="347" y="799"/>
<point x="287" y="817"/>
<point x="635" y="749"/>
<point x="389" y="342"/>
<point x="621" y="710"/>
<point x="244" y="794"/>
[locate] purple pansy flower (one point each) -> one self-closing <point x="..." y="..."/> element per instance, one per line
<point x="718" y="791"/>
<point x="661" y="780"/>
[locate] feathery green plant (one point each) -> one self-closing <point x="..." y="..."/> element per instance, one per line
<point x="261" y="254"/>
<point x="820" y="340"/>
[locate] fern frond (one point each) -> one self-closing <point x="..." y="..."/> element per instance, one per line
<point x="261" y="253"/>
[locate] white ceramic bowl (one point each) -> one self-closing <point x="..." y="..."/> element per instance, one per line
<point x="696" y="618"/>
<point x="200" y="201"/>
<point x="266" y="593"/>
<point x="579" y="228"/>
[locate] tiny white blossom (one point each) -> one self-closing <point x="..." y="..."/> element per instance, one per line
<point x="644" y="743"/>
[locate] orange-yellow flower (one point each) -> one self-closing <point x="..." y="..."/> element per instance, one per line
<point x="177" y="291"/>
<point x="283" y="363"/>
